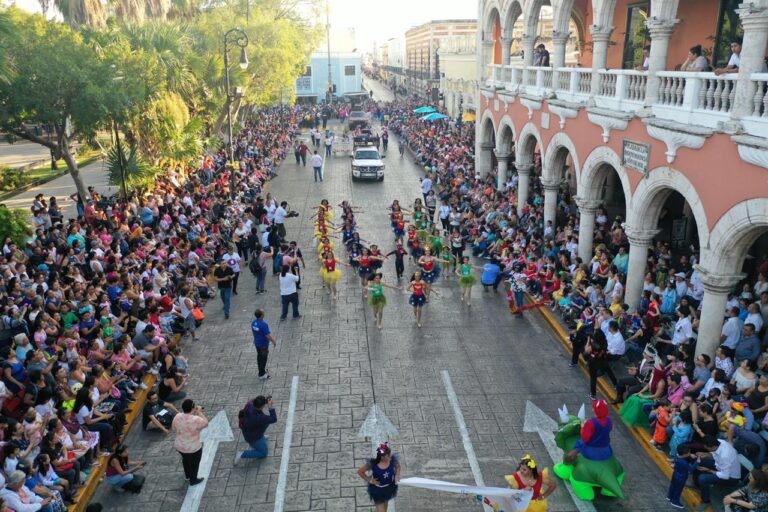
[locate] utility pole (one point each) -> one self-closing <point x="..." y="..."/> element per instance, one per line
<point x="328" y="37"/>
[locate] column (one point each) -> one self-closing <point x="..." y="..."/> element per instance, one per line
<point x="639" y="242"/>
<point x="523" y="185"/>
<point x="559" y="41"/>
<point x="486" y="59"/>
<point x="601" y="36"/>
<point x="502" y="158"/>
<point x="716" y="289"/>
<point x="551" y="188"/>
<point x="506" y="46"/>
<point x="661" y="31"/>
<point x="587" y="210"/>
<point x="528" y="41"/>
<point x="754" y="20"/>
<point x="483" y="163"/>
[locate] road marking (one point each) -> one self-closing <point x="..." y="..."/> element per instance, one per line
<point x="217" y="431"/>
<point x="454" y="400"/>
<point x="537" y="421"/>
<point x="282" y="478"/>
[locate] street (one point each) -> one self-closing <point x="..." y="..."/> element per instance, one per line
<point x="478" y="365"/>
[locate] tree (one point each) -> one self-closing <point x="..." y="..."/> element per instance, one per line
<point x="6" y="65"/>
<point x="15" y="224"/>
<point x="61" y="81"/>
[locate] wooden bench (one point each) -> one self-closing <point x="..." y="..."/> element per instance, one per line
<point x="86" y="492"/>
<point x="690" y="496"/>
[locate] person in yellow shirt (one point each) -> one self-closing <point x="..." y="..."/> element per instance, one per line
<point x="528" y="476"/>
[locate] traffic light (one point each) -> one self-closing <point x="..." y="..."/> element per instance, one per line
<point x="334" y="89"/>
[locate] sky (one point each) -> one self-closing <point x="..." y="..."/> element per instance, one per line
<point x="380" y="21"/>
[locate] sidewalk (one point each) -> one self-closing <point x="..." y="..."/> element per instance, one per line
<point x="93" y="175"/>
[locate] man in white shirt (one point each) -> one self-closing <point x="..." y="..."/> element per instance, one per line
<point x="754" y="317"/>
<point x="616" y="344"/>
<point x="18" y="497"/>
<point x="734" y="61"/>
<point x="317" y="165"/>
<point x="719" y="467"/>
<point x="426" y="186"/>
<point x="279" y="220"/>
<point x="233" y="262"/>
<point x="445" y="214"/>
<point x="731" y="332"/>
<point x="289" y="294"/>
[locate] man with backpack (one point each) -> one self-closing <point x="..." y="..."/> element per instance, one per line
<point x="253" y="421"/>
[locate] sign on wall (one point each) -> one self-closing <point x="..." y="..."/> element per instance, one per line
<point x="304" y="83"/>
<point x="635" y="155"/>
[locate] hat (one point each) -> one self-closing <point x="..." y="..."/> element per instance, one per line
<point x="600" y="408"/>
<point x="681" y="275"/>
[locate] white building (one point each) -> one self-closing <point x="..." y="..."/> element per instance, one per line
<point x="345" y="69"/>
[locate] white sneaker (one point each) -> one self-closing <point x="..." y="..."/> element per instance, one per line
<point x="238" y="456"/>
<point x="143" y="386"/>
<point x="154" y="371"/>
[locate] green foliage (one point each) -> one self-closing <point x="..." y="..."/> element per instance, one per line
<point x="10" y="179"/>
<point x="138" y="173"/>
<point x="15" y="224"/>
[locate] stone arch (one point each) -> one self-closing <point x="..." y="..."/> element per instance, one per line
<point x="509" y="14"/>
<point x="562" y="11"/>
<point x="652" y="193"/>
<point x="505" y="138"/>
<point x="603" y="10"/>
<point x="588" y="185"/>
<point x="527" y="140"/>
<point x="552" y="159"/>
<point x="491" y="13"/>
<point x="733" y="235"/>
<point x="487" y="133"/>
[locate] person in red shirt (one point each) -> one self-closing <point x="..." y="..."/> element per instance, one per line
<point x="419" y="289"/>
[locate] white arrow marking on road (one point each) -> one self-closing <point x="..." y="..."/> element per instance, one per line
<point x="378" y="429"/>
<point x="282" y="478"/>
<point x="465" y="439"/>
<point x="537" y="421"/>
<point x="217" y="431"/>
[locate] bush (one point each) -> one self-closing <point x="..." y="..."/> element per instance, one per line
<point x="10" y="179"/>
<point x="15" y="224"/>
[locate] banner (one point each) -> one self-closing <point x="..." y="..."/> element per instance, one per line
<point x="498" y="499"/>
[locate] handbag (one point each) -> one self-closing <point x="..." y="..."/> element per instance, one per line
<point x="198" y="313"/>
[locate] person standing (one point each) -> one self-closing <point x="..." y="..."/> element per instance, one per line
<point x="224" y="276"/>
<point x="233" y="261"/>
<point x="288" y="292"/>
<point x="317" y="165"/>
<point x="598" y="360"/>
<point x="382" y="474"/>
<point x="303" y="150"/>
<point x="255" y="423"/>
<point x="279" y="220"/>
<point x="328" y="144"/>
<point x="187" y="427"/>
<point x="262" y="337"/>
<point x="426" y="186"/>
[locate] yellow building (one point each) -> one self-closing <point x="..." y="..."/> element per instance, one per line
<point x="422" y="60"/>
<point x="458" y="70"/>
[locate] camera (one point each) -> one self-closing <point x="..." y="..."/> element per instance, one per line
<point x="292" y="214"/>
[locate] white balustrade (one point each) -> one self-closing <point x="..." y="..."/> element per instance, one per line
<point x="716" y="93"/>
<point x="606" y="84"/>
<point x="671" y="89"/>
<point x="760" y="101"/>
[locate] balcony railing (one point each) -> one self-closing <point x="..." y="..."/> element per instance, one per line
<point x="702" y="99"/>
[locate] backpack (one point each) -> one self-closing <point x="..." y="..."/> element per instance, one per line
<point x="241" y="415"/>
<point x="254" y="266"/>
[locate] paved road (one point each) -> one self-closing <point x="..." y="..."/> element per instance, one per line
<point x="62" y="187"/>
<point x="344" y="364"/>
<point x="22" y="153"/>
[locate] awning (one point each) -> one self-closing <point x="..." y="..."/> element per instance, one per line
<point x="468" y="117"/>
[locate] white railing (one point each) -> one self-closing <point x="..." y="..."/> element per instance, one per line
<point x="716" y="93"/>
<point x="760" y="100"/>
<point x="671" y="89"/>
<point x="606" y="84"/>
<point x="621" y="89"/>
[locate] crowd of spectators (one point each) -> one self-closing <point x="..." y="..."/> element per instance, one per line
<point x="647" y="353"/>
<point x="90" y="305"/>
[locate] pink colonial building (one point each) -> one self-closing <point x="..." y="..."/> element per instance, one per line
<point x="681" y="156"/>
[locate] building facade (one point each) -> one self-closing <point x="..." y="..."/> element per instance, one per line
<point x="422" y="61"/>
<point x="681" y="156"/>
<point x="458" y="74"/>
<point x="396" y="76"/>
<point x="345" y="71"/>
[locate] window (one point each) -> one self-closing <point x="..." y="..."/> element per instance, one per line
<point x="308" y="71"/>
<point x="636" y="36"/>
<point x="349" y="70"/>
<point x="728" y="29"/>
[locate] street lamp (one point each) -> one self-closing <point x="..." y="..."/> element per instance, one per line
<point x="237" y="37"/>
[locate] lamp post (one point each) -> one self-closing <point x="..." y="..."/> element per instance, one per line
<point x="236" y="37"/>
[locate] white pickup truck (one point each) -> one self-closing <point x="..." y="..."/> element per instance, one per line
<point x="367" y="164"/>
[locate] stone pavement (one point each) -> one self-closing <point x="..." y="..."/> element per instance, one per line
<point x="345" y="364"/>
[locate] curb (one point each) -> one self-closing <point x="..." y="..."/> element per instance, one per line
<point x="691" y="497"/>
<point x="13" y="193"/>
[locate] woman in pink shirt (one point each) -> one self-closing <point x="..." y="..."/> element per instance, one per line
<point x="187" y="427"/>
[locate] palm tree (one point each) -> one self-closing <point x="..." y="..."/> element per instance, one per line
<point x="6" y="65"/>
<point x="77" y="13"/>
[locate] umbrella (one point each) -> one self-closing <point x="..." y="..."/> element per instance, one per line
<point x="424" y="110"/>
<point x="434" y="117"/>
